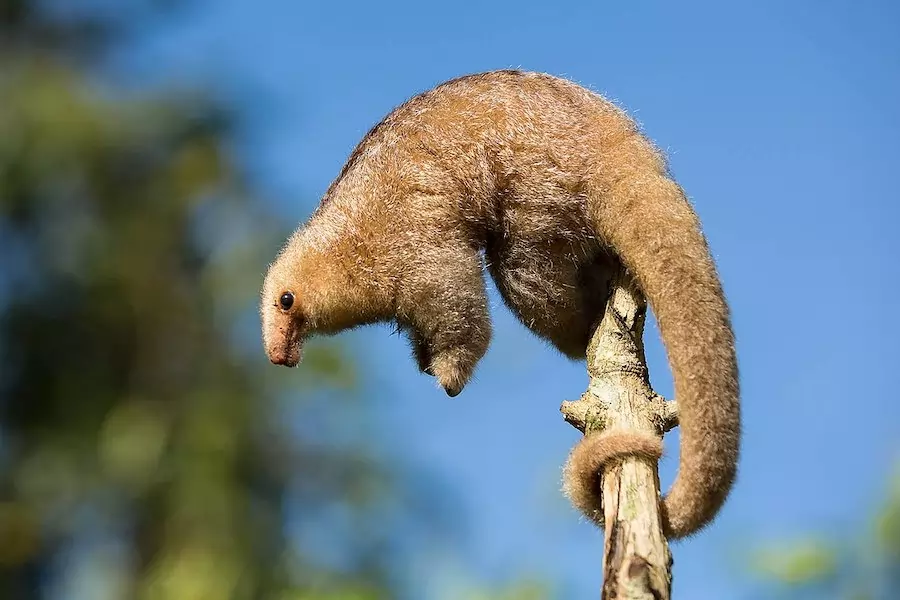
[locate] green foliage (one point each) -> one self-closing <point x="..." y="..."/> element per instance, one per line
<point x="517" y="591"/>
<point x="867" y="568"/>
<point x="801" y="562"/>
<point x="887" y="525"/>
<point x="144" y="454"/>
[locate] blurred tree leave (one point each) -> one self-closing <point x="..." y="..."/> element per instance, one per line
<point x="525" y="590"/>
<point x="864" y="568"/>
<point x="143" y="452"/>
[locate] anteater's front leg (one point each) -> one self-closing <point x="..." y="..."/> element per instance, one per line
<point x="442" y="300"/>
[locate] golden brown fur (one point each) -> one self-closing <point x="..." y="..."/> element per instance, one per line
<point x="582" y="473"/>
<point x="555" y="186"/>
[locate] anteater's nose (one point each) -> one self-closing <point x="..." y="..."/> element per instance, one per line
<point x="287" y="355"/>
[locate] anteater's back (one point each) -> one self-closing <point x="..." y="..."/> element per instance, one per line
<point x="509" y="158"/>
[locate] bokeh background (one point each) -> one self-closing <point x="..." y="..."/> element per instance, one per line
<point x="154" y="155"/>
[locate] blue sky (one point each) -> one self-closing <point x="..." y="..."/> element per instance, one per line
<point x="781" y="121"/>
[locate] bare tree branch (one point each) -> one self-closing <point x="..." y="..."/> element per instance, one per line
<point x="636" y="559"/>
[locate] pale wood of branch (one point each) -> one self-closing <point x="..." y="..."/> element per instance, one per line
<point x="636" y="559"/>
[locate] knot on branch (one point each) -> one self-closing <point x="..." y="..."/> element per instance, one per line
<point x="590" y="413"/>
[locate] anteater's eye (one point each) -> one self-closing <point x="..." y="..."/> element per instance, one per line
<point x="286" y="301"/>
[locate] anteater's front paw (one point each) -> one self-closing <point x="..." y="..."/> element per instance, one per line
<point x="452" y="369"/>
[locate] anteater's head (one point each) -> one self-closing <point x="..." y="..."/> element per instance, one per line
<point x="285" y="323"/>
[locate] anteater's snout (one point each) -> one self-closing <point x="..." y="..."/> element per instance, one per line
<point x="284" y="350"/>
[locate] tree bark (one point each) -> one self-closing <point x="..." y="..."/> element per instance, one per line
<point x="636" y="559"/>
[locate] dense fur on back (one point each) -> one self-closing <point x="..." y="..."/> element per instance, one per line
<point x="554" y="187"/>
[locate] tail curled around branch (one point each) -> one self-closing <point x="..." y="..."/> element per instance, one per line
<point x="582" y="473"/>
<point x="645" y="217"/>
